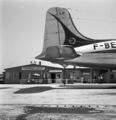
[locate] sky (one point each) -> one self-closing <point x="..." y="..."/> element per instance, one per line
<point x="22" y="25"/>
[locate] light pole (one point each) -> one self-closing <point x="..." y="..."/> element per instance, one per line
<point x="64" y="74"/>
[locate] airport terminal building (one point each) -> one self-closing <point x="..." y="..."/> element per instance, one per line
<point x="41" y="74"/>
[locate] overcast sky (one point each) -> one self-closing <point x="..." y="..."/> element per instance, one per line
<point x="22" y="25"/>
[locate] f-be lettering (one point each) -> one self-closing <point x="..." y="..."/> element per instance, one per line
<point x="107" y="45"/>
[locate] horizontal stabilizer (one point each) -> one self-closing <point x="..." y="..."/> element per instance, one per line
<point x="58" y="52"/>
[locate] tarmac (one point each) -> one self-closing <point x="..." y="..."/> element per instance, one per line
<point x="57" y="94"/>
<point x="58" y="102"/>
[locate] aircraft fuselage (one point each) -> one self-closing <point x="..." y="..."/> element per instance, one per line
<point x="104" y="47"/>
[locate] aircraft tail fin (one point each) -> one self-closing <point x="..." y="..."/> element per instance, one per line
<point x="60" y="30"/>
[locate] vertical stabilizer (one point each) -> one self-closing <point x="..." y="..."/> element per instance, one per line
<point x="60" y="30"/>
<point x="54" y="33"/>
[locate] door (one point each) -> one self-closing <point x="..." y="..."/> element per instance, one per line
<point x="53" y="77"/>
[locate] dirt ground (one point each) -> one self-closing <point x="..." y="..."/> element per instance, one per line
<point x="48" y="102"/>
<point x="37" y="112"/>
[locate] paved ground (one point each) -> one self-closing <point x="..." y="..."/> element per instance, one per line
<point x="52" y="94"/>
<point x="43" y="102"/>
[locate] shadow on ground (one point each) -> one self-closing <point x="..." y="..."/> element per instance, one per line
<point x="33" y="90"/>
<point x="55" y="113"/>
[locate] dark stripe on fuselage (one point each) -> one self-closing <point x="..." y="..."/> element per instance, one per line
<point x="69" y="35"/>
<point x="79" y="41"/>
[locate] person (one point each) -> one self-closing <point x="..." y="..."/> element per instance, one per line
<point x="94" y="80"/>
<point x="82" y="79"/>
<point x="101" y="79"/>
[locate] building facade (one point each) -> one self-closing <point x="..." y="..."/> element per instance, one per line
<point x="32" y="73"/>
<point x="40" y="74"/>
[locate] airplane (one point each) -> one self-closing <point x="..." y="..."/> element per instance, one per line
<point x="65" y="45"/>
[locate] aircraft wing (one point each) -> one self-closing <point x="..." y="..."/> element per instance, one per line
<point x="94" y="60"/>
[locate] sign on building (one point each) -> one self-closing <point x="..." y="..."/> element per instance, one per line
<point x="33" y="68"/>
<point x="55" y="71"/>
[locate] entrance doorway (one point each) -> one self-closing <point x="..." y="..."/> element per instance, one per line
<point x="53" y="77"/>
<point x="100" y="75"/>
